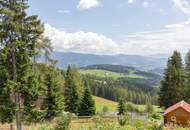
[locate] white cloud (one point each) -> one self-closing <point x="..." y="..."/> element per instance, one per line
<point x="87" y="4"/>
<point x="146" y="4"/>
<point x="130" y="1"/>
<point x="182" y="5"/>
<point x="82" y="42"/>
<point x="172" y="37"/>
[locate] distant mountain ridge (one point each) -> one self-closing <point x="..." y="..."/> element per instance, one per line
<point x="146" y="63"/>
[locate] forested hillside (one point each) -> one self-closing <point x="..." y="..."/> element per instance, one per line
<point x="115" y="81"/>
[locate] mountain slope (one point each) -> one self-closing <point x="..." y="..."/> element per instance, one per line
<point x="140" y="62"/>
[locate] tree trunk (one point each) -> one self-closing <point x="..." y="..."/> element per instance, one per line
<point x="11" y="126"/>
<point x="17" y="95"/>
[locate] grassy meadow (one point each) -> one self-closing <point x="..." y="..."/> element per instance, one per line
<point x="114" y="75"/>
<point x="112" y="106"/>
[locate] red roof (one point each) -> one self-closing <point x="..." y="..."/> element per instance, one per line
<point x="181" y="104"/>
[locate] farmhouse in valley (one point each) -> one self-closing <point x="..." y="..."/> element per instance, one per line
<point x="178" y="114"/>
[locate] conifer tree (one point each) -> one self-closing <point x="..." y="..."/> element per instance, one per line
<point x="121" y="107"/>
<point x="71" y="95"/>
<point x="187" y="70"/>
<point x="18" y="37"/>
<point x="172" y="86"/>
<point x="54" y="101"/>
<point x="87" y="105"/>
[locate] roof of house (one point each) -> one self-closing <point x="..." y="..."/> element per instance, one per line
<point x="181" y="104"/>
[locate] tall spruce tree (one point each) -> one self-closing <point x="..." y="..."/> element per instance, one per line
<point x="18" y="37"/>
<point x="187" y="70"/>
<point x="87" y="105"/>
<point x="53" y="101"/>
<point x="172" y="86"/>
<point x="71" y="94"/>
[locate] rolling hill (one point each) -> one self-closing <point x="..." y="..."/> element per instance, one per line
<point x="140" y="62"/>
<point x="119" y="72"/>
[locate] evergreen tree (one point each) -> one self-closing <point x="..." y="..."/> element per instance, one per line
<point x="71" y="94"/>
<point x="87" y="105"/>
<point x="121" y="107"/>
<point x="19" y="34"/>
<point x="172" y="86"/>
<point x="187" y="70"/>
<point x="54" y="101"/>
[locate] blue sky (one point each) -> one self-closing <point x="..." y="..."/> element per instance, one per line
<point x="142" y="27"/>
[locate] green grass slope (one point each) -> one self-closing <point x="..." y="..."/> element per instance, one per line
<point x="112" y="106"/>
<point x="106" y="73"/>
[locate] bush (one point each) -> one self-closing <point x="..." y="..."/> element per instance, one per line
<point x="155" y="126"/>
<point x="149" y="108"/>
<point x="124" y="119"/>
<point x="45" y="127"/>
<point x="63" y="122"/>
<point x="105" y="109"/>
<point x="140" y="124"/>
<point x="130" y="107"/>
<point x="156" y="116"/>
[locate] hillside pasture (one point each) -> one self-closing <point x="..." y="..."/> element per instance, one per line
<point x="110" y="74"/>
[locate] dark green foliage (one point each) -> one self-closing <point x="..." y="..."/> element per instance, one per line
<point x="53" y="101"/>
<point x="23" y="89"/>
<point x="7" y="107"/>
<point x="172" y="86"/>
<point x="19" y="34"/>
<point x="156" y="116"/>
<point x="114" y="89"/>
<point x="87" y="105"/>
<point x="187" y="70"/>
<point x="71" y="92"/>
<point x="121" y="107"/>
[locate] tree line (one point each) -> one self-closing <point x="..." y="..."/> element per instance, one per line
<point x="176" y="83"/>
<point x="115" y="89"/>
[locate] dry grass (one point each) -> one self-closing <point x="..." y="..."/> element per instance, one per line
<point x="101" y="102"/>
<point x="24" y="127"/>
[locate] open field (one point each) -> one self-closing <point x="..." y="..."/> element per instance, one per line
<point x="112" y="106"/>
<point x="101" y="102"/>
<point x="105" y="73"/>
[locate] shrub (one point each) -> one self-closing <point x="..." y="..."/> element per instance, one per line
<point x="155" y="126"/>
<point x="130" y="106"/>
<point x="105" y="109"/>
<point x="45" y="127"/>
<point x="149" y="108"/>
<point x="63" y="122"/>
<point x="124" y="119"/>
<point x="140" y="124"/>
<point x="155" y="116"/>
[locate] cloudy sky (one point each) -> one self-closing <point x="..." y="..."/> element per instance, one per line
<point x="143" y="27"/>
